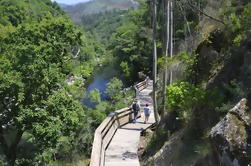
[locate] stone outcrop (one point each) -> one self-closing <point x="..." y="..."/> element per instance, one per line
<point x="231" y="136"/>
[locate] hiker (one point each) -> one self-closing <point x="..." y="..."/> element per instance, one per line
<point x="147" y="112"/>
<point x="136" y="109"/>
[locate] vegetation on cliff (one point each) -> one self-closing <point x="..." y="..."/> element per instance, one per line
<point x="216" y="77"/>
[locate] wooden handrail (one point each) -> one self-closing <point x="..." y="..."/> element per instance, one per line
<point x="142" y="85"/>
<point x="106" y="130"/>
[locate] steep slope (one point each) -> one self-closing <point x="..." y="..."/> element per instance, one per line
<point x="98" y="6"/>
<point x="221" y="72"/>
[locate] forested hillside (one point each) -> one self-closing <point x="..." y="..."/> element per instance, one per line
<point x="98" y="6"/>
<point x="202" y="84"/>
<point x="197" y="53"/>
<point x="102" y="25"/>
<point x="44" y="63"/>
<point x="126" y="35"/>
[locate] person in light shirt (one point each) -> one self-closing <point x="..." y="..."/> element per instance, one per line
<point x="147" y="112"/>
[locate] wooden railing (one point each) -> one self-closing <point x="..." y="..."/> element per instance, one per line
<point x="142" y="85"/>
<point x="106" y="130"/>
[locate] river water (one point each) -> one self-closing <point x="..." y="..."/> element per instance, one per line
<point x="99" y="81"/>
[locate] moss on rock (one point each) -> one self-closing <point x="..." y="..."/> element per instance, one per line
<point x="230" y="136"/>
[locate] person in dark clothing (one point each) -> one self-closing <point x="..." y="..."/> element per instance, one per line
<point x="136" y="109"/>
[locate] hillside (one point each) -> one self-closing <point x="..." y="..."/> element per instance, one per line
<point x="98" y="6"/>
<point x="206" y="117"/>
<point x="103" y="25"/>
<point x="44" y="59"/>
<point x="61" y="83"/>
<point x="16" y="12"/>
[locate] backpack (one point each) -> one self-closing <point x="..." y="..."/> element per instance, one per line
<point x="135" y="107"/>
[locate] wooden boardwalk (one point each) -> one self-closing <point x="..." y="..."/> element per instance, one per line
<point x="122" y="150"/>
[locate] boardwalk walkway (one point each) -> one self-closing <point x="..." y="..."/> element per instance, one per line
<point x="122" y="150"/>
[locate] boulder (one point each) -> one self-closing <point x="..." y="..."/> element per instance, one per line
<point x="230" y="138"/>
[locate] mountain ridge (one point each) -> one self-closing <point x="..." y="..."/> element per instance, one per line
<point x="97" y="6"/>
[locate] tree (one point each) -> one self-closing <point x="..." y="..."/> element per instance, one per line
<point x="94" y="96"/>
<point x="171" y="39"/>
<point x="166" y="7"/>
<point x="156" y="115"/>
<point x="168" y="47"/>
<point x="131" y="44"/>
<point x="16" y="12"/>
<point x="31" y="84"/>
<point x="114" y="89"/>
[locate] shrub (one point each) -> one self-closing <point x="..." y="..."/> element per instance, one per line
<point x="182" y="97"/>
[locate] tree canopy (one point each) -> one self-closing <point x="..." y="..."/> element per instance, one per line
<point x="44" y="62"/>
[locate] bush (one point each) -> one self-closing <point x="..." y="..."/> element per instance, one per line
<point x="183" y="97"/>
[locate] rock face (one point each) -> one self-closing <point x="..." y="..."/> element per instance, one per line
<point x="231" y="136"/>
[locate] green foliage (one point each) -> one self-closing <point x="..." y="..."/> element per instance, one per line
<point x="225" y="107"/>
<point x="56" y="121"/>
<point x="102" y="25"/>
<point x="99" y="6"/>
<point x="234" y="92"/>
<point x="181" y="57"/>
<point x="131" y="44"/>
<point x="190" y="102"/>
<point x="15" y="12"/>
<point x="44" y="61"/>
<point x="238" y="23"/>
<point x="125" y="69"/>
<point x="36" y="60"/>
<point x="94" y="96"/>
<point x="183" y="97"/>
<point x="185" y="58"/>
<point x="114" y="89"/>
<point x="118" y="98"/>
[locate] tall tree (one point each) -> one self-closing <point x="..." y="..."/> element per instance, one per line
<point x="166" y="7"/>
<point x="154" y="19"/>
<point x="32" y="76"/>
<point x="171" y="38"/>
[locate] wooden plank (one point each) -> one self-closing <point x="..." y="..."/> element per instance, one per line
<point x="109" y="135"/>
<point x="124" y="114"/>
<point x="104" y="124"/>
<point x="96" y="150"/>
<point x="124" y="120"/>
<point x="102" y="158"/>
<point x="108" y="126"/>
<point x="122" y="110"/>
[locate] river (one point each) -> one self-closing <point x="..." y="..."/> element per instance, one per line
<point x="99" y="81"/>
